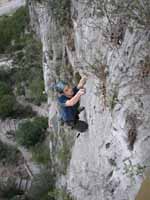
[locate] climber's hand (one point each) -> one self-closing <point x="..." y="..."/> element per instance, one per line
<point x="81" y="92"/>
<point x="84" y="79"/>
<point x="75" y="98"/>
<point x="82" y="82"/>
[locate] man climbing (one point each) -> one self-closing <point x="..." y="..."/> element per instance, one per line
<point x="68" y="100"/>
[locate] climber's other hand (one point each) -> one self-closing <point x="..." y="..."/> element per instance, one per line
<point x="81" y="92"/>
<point x="83" y="80"/>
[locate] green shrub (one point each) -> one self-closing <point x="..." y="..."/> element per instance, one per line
<point x="8" y="154"/>
<point x="41" y="153"/>
<point x="37" y="87"/>
<point x="9" y="106"/>
<point x="5" y="77"/>
<point x="41" y="122"/>
<point x="21" y="111"/>
<point x="64" y="155"/>
<point x="19" y="197"/>
<point x="26" y="51"/>
<point x="60" y="194"/>
<point x="113" y="99"/>
<point x="7" y="100"/>
<point x="8" y="189"/>
<point x="64" y="152"/>
<point x="29" y="76"/>
<point x="7" y="103"/>
<point x="44" y="188"/>
<point x="12" y="28"/>
<point x="30" y="133"/>
<point x="41" y="185"/>
<point x="4" y="89"/>
<point x="20" y="90"/>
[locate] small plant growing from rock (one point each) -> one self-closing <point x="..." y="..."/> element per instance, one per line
<point x="41" y="153"/>
<point x="61" y="11"/>
<point x="64" y="152"/>
<point x="145" y="67"/>
<point x="9" y="190"/>
<point x="60" y="194"/>
<point x="132" y="170"/>
<point x="113" y="100"/>
<point x="41" y="185"/>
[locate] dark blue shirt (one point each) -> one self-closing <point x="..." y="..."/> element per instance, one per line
<point x="68" y="113"/>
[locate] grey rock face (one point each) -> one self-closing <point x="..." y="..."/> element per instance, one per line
<point x="109" y="160"/>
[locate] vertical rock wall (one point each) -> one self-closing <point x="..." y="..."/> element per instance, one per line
<point x="109" y="160"/>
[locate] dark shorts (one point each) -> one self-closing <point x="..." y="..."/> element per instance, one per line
<point x="78" y="125"/>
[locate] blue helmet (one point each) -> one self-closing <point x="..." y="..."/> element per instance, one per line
<point x="60" y="86"/>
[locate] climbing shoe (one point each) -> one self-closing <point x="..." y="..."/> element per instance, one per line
<point x="80" y="109"/>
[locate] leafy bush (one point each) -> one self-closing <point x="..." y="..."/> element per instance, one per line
<point x="41" y="185"/>
<point x="19" y="197"/>
<point x="36" y="87"/>
<point x="30" y="133"/>
<point x="8" y="189"/>
<point x="64" y="156"/>
<point x="12" y="28"/>
<point x="44" y="188"/>
<point x="64" y="151"/>
<point x="29" y="61"/>
<point x="41" y="153"/>
<point x="41" y="122"/>
<point x="22" y="111"/>
<point x="26" y="52"/>
<point x="7" y="103"/>
<point x="7" y="100"/>
<point x="4" y="75"/>
<point x="60" y="194"/>
<point x="113" y="99"/>
<point x="8" y="154"/>
<point x="4" y="89"/>
<point x="29" y="76"/>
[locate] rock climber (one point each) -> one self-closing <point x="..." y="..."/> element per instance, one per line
<point x="68" y="101"/>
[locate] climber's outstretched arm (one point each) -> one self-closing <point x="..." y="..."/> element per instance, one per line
<point x="81" y="83"/>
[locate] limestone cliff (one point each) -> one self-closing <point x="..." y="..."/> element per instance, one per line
<point x="110" y="45"/>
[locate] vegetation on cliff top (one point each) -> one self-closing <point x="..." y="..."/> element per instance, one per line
<point x="26" y="76"/>
<point x="9" y="107"/>
<point x="12" y="29"/>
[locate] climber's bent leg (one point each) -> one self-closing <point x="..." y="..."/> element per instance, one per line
<point x="78" y="125"/>
<point x="81" y="126"/>
<point x="70" y="123"/>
